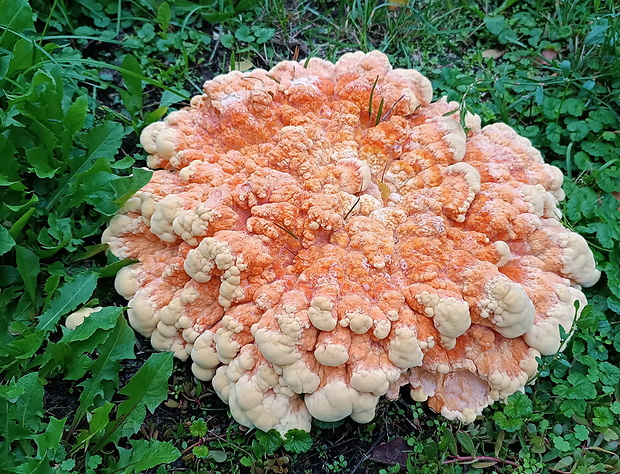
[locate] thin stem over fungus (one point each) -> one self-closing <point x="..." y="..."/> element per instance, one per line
<point x="372" y="93"/>
<point x="352" y="207"/>
<point x="288" y="231"/>
<point x="389" y="112"/>
<point x="245" y="78"/>
<point x="383" y="187"/>
<point x="387" y="164"/>
<point x="378" y="119"/>
<point x="453" y="111"/>
<point x="403" y="185"/>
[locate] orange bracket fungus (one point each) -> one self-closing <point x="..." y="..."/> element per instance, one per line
<point x="320" y="235"/>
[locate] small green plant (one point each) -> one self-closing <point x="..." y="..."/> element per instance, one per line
<point x="338" y="465"/>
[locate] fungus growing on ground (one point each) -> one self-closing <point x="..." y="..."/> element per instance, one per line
<point x="320" y="235"/>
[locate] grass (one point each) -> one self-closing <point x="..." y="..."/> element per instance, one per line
<point x="78" y="81"/>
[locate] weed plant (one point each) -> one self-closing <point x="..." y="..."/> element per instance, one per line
<point x="80" y="79"/>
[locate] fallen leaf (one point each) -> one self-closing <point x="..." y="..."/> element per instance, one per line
<point x="243" y="66"/>
<point x="549" y="54"/>
<point x="492" y="53"/>
<point x="391" y="453"/>
<point x="546" y="56"/>
<point x="396" y="4"/>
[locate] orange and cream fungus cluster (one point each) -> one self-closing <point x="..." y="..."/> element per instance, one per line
<point x="319" y="235"/>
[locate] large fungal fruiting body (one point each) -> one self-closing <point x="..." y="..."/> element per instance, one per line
<point x="311" y="256"/>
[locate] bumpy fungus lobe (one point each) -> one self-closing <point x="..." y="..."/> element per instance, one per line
<point x="310" y="257"/>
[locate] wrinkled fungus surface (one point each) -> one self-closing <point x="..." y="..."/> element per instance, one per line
<point x="310" y="255"/>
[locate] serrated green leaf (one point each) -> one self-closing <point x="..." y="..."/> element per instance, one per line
<point x="106" y="368"/>
<point x="145" y="454"/>
<point x="6" y="241"/>
<point x="76" y="115"/>
<point x="67" y="464"/>
<point x="605" y="233"/>
<point x="149" y="386"/>
<point x="201" y="452"/>
<point x="42" y="161"/>
<point x="24" y="55"/>
<point x="127" y="186"/>
<point x="11" y="392"/>
<point x="72" y="293"/>
<point x="269" y="441"/>
<point x="107" y="193"/>
<point x="103" y="141"/>
<point x="49" y="443"/>
<point x="25" y="346"/>
<point x="609" y="374"/>
<point x="507" y="424"/>
<point x="73" y="360"/>
<point x="93" y="461"/>
<point x="27" y="410"/>
<point x="581" y="433"/>
<point x="604" y="417"/>
<point x="198" y="427"/>
<point x="244" y="34"/>
<point x="113" y="268"/>
<point x="29" y="269"/>
<point x="581" y="202"/>
<point x="614" y="283"/>
<point x="578" y="387"/>
<point x="598" y="149"/>
<point x="104" y="319"/>
<point x="572" y="407"/>
<point x="98" y="422"/>
<point x="146" y="390"/>
<point x="227" y="40"/>
<point x="124" y="163"/>
<point x="263" y="34"/>
<point x="297" y="441"/>
<point x="163" y="17"/>
<point x="132" y="97"/>
<point x="8" y="275"/>
<point x="518" y="405"/>
<point x="560" y="443"/>
<point x="16" y="15"/>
